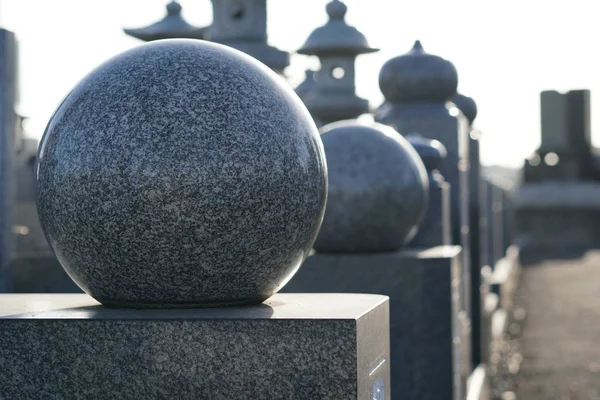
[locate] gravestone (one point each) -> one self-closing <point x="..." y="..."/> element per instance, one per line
<point x="417" y="87"/>
<point x="557" y="208"/>
<point x="8" y="77"/>
<point x="375" y="197"/>
<point x="172" y="26"/>
<point x="565" y="152"/>
<point x="336" y="44"/>
<point x="198" y="206"/>
<point x="242" y="24"/>
<point x="435" y="229"/>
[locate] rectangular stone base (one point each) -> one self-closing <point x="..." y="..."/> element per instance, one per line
<point x="293" y="346"/>
<point x="557" y="216"/>
<point x="430" y="335"/>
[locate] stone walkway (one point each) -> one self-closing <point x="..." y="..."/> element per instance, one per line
<point x="554" y="352"/>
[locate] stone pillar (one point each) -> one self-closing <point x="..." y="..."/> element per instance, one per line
<point x="565" y="153"/>
<point x="191" y="204"/>
<point x="376" y="199"/>
<point x="435" y="229"/>
<point x="8" y="77"/>
<point x="478" y="287"/>
<point x="172" y="26"/>
<point x="242" y="24"/>
<point x="417" y="88"/>
<point x="333" y="97"/>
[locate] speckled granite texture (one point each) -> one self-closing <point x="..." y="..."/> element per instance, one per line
<point x="424" y="312"/>
<point x="378" y="189"/>
<point x="181" y="173"/>
<point x="329" y="346"/>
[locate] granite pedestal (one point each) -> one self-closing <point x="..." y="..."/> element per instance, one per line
<point x="429" y="334"/>
<point x="293" y="346"/>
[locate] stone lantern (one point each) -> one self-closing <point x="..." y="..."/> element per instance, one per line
<point x="242" y="24"/>
<point x="170" y="27"/>
<point x="337" y="45"/>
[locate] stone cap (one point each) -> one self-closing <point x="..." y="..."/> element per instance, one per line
<point x="172" y="26"/>
<point x="466" y="105"/>
<point x="336" y="36"/>
<point x="418" y="76"/>
<point x="432" y="152"/>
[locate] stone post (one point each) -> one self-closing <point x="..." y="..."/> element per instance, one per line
<point x="163" y="193"/>
<point x="478" y="288"/>
<point x="8" y="77"/>
<point x="435" y="229"/>
<point x="417" y="88"/>
<point x="377" y="197"/>
<point x="333" y="97"/>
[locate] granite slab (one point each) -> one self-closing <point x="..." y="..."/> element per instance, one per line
<point x="429" y="333"/>
<point x="293" y="346"/>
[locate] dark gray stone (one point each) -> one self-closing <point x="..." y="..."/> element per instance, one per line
<point x="328" y="346"/>
<point x="172" y="26"/>
<point x="378" y="189"/>
<point x="336" y="44"/>
<point x="469" y="109"/>
<point x="8" y="81"/>
<point x="418" y="76"/>
<point x="307" y="84"/>
<point x="557" y="220"/>
<point x="565" y="152"/>
<point x="435" y="229"/>
<point x="242" y="24"/>
<point x="429" y="335"/>
<point x="418" y="87"/>
<point x="181" y="173"/>
<point x="467" y="106"/>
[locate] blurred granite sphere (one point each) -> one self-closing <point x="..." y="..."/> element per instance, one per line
<point x="180" y="174"/>
<point x="378" y="189"/>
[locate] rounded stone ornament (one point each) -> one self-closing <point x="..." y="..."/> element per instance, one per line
<point x="181" y="174"/>
<point x="418" y="76"/>
<point x="378" y="189"/>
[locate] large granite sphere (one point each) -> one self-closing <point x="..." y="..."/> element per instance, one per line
<point x="378" y="189"/>
<point x="418" y="76"/>
<point x="181" y="173"/>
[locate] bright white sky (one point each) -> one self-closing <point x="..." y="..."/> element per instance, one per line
<point x="505" y="52"/>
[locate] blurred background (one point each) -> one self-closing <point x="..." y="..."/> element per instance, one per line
<point x="506" y="53"/>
